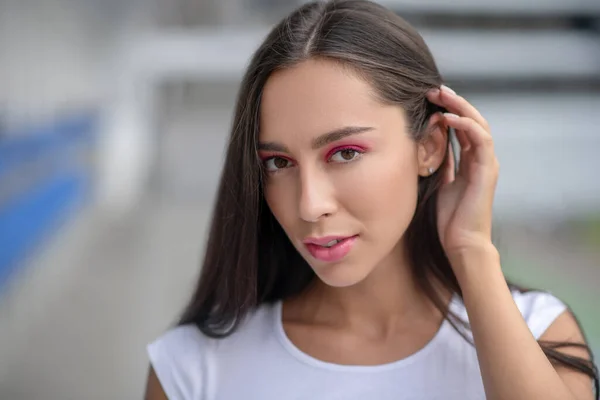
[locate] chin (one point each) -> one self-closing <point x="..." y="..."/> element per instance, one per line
<point x="340" y="274"/>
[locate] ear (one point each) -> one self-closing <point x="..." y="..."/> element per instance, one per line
<point x="431" y="149"/>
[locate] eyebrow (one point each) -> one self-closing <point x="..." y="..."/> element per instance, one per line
<point x="320" y="141"/>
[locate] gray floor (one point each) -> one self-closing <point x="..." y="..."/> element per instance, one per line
<point x="75" y="324"/>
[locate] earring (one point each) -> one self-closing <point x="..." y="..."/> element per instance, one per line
<point x="431" y="170"/>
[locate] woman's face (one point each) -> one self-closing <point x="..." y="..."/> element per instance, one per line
<point x="342" y="169"/>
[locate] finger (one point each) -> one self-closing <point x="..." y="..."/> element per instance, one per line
<point x="463" y="140"/>
<point x="465" y="151"/>
<point x="470" y="133"/>
<point x="456" y="104"/>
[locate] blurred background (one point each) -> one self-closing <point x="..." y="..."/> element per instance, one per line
<point x="113" y="119"/>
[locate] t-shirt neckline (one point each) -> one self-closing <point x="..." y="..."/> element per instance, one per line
<point x="300" y="355"/>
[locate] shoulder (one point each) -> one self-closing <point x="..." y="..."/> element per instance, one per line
<point x="539" y="309"/>
<point x="184" y="359"/>
<point x="177" y="358"/>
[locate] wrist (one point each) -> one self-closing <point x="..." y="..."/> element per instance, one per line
<point x="467" y="261"/>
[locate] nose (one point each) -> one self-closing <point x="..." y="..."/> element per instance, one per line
<point x="317" y="198"/>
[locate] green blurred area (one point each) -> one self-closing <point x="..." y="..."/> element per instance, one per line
<point x="588" y="230"/>
<point x="583" y="303"/>
<point x="568" y="283"/>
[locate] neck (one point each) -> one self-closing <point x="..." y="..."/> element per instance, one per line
<point x="388" y="299"/>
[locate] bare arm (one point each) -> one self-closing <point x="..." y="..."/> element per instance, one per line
<point x="513" y="365"/>
<point x="154" y="390"/>
<point x="566" y="329"/>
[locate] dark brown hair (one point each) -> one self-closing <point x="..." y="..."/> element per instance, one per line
<point x="249" y="259"/>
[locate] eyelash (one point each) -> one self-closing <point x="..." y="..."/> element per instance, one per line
<point x="359" y="152"/>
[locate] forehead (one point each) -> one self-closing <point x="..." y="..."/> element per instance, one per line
<point x="313" y="97"/>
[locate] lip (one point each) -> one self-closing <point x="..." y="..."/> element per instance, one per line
<point x="323" y="240"/>
<point x="333" y="253"/>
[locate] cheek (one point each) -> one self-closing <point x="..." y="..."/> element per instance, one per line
<point x="280" y="199"/>
<point x="383" y="190"/>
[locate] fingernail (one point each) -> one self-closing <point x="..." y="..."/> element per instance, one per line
<point x="447" y="89"/>
<point x="450" y="115"/>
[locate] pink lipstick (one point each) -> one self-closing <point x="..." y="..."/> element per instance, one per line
<point x="330" y="248"/>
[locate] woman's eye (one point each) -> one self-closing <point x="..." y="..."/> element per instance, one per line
<point x="276" y="163"/>
<point x="345" y="155"/>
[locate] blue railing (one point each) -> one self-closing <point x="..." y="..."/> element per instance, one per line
<point x="45" y="175"/>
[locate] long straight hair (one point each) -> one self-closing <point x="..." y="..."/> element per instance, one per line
<point x="249" y="260"/>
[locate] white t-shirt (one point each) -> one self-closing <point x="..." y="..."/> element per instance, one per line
<point x="259" y="362"/>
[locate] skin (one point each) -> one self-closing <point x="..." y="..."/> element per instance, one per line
<point x="368" y="299"/>
<point x="366" y="308"/>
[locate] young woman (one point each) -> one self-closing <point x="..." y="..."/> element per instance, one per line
<point x="346" y="258"/>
